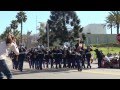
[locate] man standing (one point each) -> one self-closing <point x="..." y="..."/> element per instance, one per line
<point x="79" y="46"/>
<point x="99" y="56"/>
<point x="21" y="57"/>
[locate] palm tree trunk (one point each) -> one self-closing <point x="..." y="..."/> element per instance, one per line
<point x="21" y="31"/>
<point x="14" y="32"/>
<point x="117" y="28"/>
<point x="111" y="30"/>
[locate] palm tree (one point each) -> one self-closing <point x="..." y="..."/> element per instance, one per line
<point x="14" y="26"/>
<point x="116" y="15"/>
<point x="110" y="21"/>
<point x="6" y="32"/>
<point x="21" y="17"/>
<point x="17" y="36"/>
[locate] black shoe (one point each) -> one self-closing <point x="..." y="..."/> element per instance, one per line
<point x="64" y="66"/>
<point x="60" y="66"/>
<point x="90" y="67"/>
<point x="87" y="66"/>
<point x="80" y="69"/>
<point x="83" y="66"/>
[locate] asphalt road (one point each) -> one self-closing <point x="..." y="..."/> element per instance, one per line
<point x="93" y="73"/>
<point x="64" y="74"/>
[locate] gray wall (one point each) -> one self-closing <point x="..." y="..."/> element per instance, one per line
<point x="100" y="38"/>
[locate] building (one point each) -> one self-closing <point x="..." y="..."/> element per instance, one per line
<point x="95" y="29"/>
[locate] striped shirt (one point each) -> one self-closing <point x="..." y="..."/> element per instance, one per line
<point x="4" y="49"/>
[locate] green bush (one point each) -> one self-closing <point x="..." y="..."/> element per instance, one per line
<point x="106" y="45"/>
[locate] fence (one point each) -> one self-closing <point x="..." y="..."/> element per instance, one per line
<point x="100" y="38"/>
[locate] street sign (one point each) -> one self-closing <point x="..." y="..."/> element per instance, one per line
<point x="118" y="37"/>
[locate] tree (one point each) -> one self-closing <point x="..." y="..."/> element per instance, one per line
<point x="60" y="23"/>
<point x="110" y="21"/>
<point x="116" y="19"/>
<point x="6" y="32"/>
<point x="21" y="17"/>
<point x="15" y="32"/>
<point x="42" y="33"/>
<point x="14" y="26"/>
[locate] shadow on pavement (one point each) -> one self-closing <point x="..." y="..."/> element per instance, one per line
<point x="30" y="71"/>
<point x="55" y="71"/>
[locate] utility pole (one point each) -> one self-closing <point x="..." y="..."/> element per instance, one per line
<point x="36" y="28"/>
<point x="36" y="24"/>
<point x="47" y="29"/>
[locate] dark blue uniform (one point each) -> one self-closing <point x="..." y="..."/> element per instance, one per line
<point x="68" y="58"/>
<point x="79" y="61"/>
<point x="21" y="58"/>
<point x="64" y="58"/>
<point x="14" y="60"/>
<point x="47" y="58"/>
<point x="88" y="56"/>
<point x="73" y="59"/>
<point x="40" y="58"/>
<point x="51" y="58"/>
<point x="78" y="57"/>
<point x="59" y="60"/>
<point x="83" y="57"/>
<point x="99" y="56"/>
<point x="57" y="56"/>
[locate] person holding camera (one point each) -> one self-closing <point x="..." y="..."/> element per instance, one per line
<point x="5" y="46"/>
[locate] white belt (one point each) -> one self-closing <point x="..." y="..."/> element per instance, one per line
<point x="22" y="53"/>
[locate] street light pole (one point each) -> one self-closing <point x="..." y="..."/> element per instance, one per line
<point x="47" y="29"/>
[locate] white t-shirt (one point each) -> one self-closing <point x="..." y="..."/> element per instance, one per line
<point x="106" y="58"/>
<point x="5" y="49"/>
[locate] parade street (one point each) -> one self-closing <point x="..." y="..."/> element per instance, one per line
<point x="93" y="73"/>
<point x="60" y="45"/>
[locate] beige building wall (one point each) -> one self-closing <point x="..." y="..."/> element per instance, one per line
<point x="95" y="29"/>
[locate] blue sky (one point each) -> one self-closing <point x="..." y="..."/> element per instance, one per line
<point x="86" y="17"/>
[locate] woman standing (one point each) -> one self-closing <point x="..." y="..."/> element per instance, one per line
<point x="4" y="46"/>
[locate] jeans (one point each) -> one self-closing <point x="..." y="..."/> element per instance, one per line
<point x="4" y="70"/>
